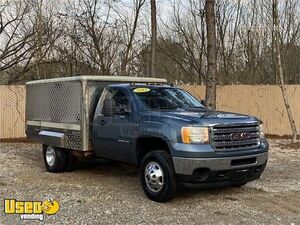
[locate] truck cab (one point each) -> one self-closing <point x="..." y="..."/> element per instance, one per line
<point x="137" y="123"/>
<point x="169" y="135"/>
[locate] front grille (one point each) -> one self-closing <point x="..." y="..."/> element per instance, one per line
<point x="237" y="137"/>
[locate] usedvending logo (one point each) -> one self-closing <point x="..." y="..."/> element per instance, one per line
<point x="31" y="210"/>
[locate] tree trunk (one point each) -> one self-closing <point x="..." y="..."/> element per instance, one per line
<point x="280" y="71"/>
<point x="126" y="60"/>
<point x="153" y="38"/>
<point x="210" y="96"/>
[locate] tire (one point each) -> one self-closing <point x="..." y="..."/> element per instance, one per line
<point x="240" y="184"/>
<point x="55" y="159"/>
<point x="162" y="186"/>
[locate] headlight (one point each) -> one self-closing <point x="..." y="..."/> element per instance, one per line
<point x="261" y="131"/>
<point x="194" y="135"/>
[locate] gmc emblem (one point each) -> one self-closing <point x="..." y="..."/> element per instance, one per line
<point x="239" y="136"/>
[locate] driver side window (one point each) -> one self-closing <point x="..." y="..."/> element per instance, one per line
<point x="120" y="98"/>
<point x="118" y="95"/>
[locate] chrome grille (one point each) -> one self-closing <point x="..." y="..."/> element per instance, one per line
<point x="237" y="137"/>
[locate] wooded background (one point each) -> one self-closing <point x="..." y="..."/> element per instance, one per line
<point x="41" y="39"/>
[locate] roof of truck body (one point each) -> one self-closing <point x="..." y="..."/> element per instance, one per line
<point x="133" y="86"/>
<point x="100" y="78"/>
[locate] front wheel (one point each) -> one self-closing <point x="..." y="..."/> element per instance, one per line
<point x="55" y="159"/>
<point x="157" y="176"/>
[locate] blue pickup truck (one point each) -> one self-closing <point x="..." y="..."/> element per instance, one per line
<point x="162" y="129"/>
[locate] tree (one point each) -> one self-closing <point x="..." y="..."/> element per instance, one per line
<point x="98" y="40"/>
<point x="130" y="33"/>
<point x="14" y="34"/>
<point x="153" y="37"/>
<point x="210" y="95"/>
<point x="27" y="34"/>
<point x="280" y="70"/>
<point x="169" y="58"/>
<point x="188" y="32"/>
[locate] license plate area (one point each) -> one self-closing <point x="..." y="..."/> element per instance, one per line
<point x="242" y="162"/>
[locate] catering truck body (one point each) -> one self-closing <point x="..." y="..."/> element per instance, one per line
<point x="162" y="129"/>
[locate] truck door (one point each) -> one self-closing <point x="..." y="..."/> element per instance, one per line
<point x="113" y="135"/>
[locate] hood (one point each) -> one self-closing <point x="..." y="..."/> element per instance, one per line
<point x="203" y="117"/>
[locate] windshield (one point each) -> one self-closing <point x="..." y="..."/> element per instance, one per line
<point x="165" y="98"/>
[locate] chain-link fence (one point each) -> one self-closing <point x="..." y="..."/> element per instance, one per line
<point x="262" y="101"/>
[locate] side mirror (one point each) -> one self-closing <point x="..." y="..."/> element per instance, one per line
<point x="109" y="107"/>
<point x="203" y="102"/>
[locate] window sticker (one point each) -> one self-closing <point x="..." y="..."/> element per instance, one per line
<point x="141" y="90"/>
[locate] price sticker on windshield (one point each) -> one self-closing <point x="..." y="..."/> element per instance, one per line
<point x="141" y="90"/>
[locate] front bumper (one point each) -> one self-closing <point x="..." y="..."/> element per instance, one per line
<point x="187" y="166"/>
<point x="214" y="172"/>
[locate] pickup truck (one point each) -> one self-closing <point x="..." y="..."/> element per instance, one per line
<point x="162" y="129"/>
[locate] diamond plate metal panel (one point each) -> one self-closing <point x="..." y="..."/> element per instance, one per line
<point x="73" y="141"/>
<point x="55" y="102"/>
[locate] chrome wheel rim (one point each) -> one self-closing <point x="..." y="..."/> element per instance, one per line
<point x="154" y="177"/>
<point x="50" y="156"/>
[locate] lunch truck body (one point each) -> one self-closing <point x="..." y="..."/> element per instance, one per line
<point x="162" y="129"/>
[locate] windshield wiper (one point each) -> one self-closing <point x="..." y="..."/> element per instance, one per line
<point x="166" y="108"/>
<point x="197" y="107"/>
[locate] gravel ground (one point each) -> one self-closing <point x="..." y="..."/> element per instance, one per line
<point x="103" y="192"/>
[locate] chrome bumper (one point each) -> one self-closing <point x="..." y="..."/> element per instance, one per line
<point x="186" y="166"/>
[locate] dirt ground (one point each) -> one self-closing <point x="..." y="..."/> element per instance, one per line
<point x="104" y="192"/>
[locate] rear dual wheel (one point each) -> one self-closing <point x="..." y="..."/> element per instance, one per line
<point x="55" y="159"/>
<point x="58" y="159"/>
